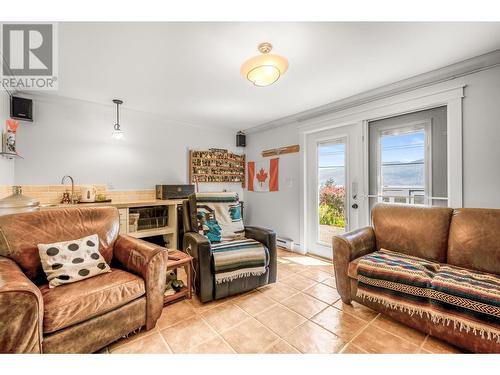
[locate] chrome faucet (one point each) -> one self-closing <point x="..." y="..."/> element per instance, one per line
<point x="63" y="181"/>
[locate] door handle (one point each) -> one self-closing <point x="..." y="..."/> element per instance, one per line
<point x="355" y="206"/>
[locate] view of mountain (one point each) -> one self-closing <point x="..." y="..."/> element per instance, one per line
<point x="394" y="173"/>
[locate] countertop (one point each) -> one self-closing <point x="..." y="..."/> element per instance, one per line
<point x="123" y="204"/>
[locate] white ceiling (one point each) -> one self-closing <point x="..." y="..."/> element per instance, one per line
<point x="189" y="72"/>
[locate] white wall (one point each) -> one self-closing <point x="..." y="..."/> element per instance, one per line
<point x="481" y="156"/>
<point x="6" y="165"/>
<point x="74" y="137"/>
<point x="276" y="210"/>
<point x="481" y="139"/>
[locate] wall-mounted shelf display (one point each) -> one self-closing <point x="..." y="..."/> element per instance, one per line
<point x="216" y="166"/>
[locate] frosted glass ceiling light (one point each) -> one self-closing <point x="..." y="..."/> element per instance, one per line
<point x="265" y="69"/>
<point x="117" y="132"/>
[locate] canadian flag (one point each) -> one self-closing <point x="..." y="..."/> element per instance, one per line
<point x="263" y="175"/>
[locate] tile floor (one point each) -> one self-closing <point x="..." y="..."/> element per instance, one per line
<point x="301" y="313"/>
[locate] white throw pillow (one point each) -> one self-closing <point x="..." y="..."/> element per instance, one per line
<point x="70" y="261"/>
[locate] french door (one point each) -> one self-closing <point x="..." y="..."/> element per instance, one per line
<point x="333" y="166"/>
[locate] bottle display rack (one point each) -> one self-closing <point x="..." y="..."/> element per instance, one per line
<point x="216" y="166"/>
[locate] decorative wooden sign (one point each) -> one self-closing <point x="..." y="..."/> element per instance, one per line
<point x="281" y="150"/>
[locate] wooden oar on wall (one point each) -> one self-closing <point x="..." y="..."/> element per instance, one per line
<point x="281" y="150"/>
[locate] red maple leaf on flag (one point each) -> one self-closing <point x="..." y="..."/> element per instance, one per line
<point x="261" y="176"/>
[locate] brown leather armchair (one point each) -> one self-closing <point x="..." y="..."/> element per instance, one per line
<point x="84" y="316"/>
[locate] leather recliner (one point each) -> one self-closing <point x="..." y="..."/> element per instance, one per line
<point x="199" y="248"/>
<point x="84" y="316"/>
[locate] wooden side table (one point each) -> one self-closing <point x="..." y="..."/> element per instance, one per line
<point x="177" y="259"/>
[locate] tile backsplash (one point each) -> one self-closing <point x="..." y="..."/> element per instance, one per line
<point x="52" y="194"/>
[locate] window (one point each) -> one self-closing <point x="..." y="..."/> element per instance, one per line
<point x="408" y="158"/>
<point x="404" y="164"/>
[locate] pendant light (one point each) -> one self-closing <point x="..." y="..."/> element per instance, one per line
<point x="264" y="69"/>
<point x="117" y="132"/>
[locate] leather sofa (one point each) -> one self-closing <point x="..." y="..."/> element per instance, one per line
<point x="84" y="316"/>
<point x="466" y="238"/>
<point x="199" y="248"/>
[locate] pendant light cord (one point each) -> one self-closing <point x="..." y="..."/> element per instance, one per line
<point x="117" y="125"/>
<point x="118" y="114"/>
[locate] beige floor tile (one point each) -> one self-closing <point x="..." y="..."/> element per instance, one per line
<point x="249" y="337"/>
<point x="200" y="307"/>
<point x="305" y="305"/>
<point x="376" y="340"/>
<point x="280" y="319"/>
<point x="356" y="309"/>
<point x="288" y="265"/>
<point x="254" y="303"/>
<point x="132" y="337"/>
<point x="224" y="316"/>
<point x="283" y="252"/>
<point x="353" y="349"/>
<point x="283" y="274"/>
<point x="315" y="274"/>
<point x="398" y="329"/>
<point x="323" y="293"/>
<point x="312" y="339"/>
<point x="214" y="346"/>
<point x="343" y="325"/>
<point x="328" y="269"/>
<point x="278" y="291"/>
<point x="152" y="344"/>
<point x="175" y="313"/>
<point x="437" y="346"/>
<point x="282" y="347"/>
<point x="330" y="281"/>
<point x="187" y="334"/>
<point x="301" y="262"/>
<point x="283" y="264"/>
<point x="299" y="282"/>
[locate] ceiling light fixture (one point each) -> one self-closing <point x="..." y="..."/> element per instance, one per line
<point x="117" y="132"/>
<point x="265" y="69"/>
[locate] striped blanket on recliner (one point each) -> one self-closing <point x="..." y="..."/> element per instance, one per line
<point x="220" y="220"/>
<point x="240" y="258"/>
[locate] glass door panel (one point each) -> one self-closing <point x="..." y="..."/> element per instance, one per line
<point x="331" y="189"/>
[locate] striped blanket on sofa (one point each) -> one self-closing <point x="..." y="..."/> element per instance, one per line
<point x="241" y="258"/>
<point x="444" y="293"/>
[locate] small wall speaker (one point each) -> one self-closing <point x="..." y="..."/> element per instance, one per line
<point x="21" y="108"/>
<point x="241" y="139"/>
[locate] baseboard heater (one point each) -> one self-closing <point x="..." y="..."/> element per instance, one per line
<point x="287" y="243"/>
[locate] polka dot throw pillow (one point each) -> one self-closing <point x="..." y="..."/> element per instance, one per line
<point x="70" y="261"/>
